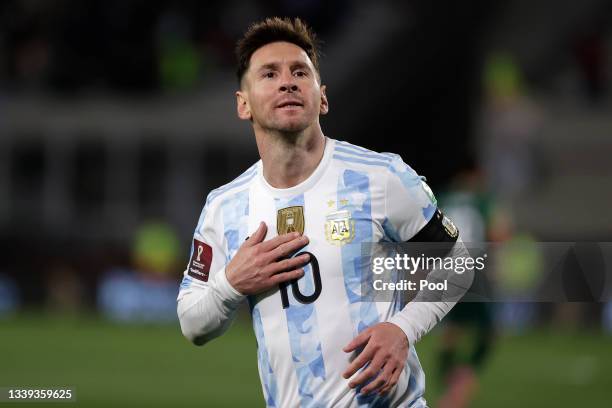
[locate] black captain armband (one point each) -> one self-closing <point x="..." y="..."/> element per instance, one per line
<point x="439" y="229"/>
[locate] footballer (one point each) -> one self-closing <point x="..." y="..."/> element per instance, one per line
<point x="285" y="236"/>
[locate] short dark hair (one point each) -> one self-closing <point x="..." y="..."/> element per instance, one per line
<point x="274" y="29"/>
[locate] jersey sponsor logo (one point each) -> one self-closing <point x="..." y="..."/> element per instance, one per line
<point x="290" y="219"/>
<point x="201" y="259"/>
<point x="339" y="227"/>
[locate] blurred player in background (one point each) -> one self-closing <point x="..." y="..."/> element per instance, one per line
<point x="468" y="329"/>
<point x="286" y="236"/>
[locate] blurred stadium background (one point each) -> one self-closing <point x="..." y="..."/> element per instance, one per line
<point x="117" y="118"/>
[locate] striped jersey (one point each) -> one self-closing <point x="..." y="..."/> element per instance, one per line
<point x="354" y="196"/>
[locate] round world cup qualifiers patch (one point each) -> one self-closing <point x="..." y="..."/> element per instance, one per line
<point x="201" y="259"/>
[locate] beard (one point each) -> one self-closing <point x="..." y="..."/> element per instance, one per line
<point x="286" y="124"/>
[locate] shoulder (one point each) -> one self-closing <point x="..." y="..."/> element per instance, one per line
<point x="393" y="171"/>
<point x="234" y="187"/>
<point x="352" y="155"/>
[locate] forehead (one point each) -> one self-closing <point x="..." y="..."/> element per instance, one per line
<point x="280" y="52"/>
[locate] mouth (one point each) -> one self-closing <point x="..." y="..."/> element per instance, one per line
<point x="290" y="104"/>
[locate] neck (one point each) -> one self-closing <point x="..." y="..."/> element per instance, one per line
<point x="289" y="158"/>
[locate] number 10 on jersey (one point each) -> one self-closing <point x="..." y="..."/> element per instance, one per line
<point x="299" y="296"/>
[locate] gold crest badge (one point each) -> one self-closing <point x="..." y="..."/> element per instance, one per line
<point x="290" y="219"/>
<point x="339" y="227"/>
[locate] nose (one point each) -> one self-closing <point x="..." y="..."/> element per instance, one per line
<point x="287" y="82"/>
<point x="288" y="87"/>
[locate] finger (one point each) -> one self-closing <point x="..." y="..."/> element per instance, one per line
<point x="381" y="380"/>
<point x="376" y="383"/>
<point x="366" y="355"/>
<point x="288" y="248"/>
<point x="287" y="264"/>
<point x="258" y="235"/>
<point x="371" y="371"/>
<point x="391" y="383"/>
<point x="270" y="244"/>
<point x="286" y="276"/>
<point x="359" y="340"/>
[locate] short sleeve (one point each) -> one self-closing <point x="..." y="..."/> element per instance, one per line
<point x="409" y="202"/>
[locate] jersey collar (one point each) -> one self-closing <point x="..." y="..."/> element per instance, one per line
<point x="305" y="185"/>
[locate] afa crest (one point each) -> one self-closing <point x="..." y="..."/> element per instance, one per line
<point x="339" y="227"/>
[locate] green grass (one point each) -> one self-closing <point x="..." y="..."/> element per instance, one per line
<point x="154" y="366"/>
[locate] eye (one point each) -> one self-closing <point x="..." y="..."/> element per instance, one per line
<point x="300" y="73"/>
<point x="268" y="74"/>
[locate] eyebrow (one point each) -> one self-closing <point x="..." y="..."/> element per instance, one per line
<point x="292" y="65"/>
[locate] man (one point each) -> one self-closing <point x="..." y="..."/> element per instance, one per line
<point x="319" y="343"/>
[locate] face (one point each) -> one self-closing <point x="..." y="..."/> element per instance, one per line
<point x="280" y="90"/>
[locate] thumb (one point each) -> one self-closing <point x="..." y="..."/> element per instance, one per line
<point x="258" y="235"/>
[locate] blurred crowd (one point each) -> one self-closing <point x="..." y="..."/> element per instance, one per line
<point x="70" y="47"/>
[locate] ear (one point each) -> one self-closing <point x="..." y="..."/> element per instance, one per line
<point x="324" y="106"/>
<point x="242" y="106"/>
